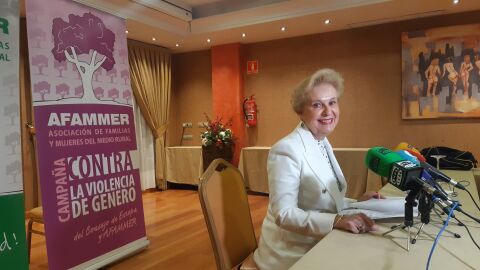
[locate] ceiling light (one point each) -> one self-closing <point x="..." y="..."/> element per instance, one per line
<point x="208" y="40"/>
<point x="284" y="28"/>
<point x="153" y="38"/>
<point x="327" y="21"/>
<point x="177" y="45"/>
<point x="456" y="2"/>
<point x="244" y="35"/>
<point x="126" y="31"/>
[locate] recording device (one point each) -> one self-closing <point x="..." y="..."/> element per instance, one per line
<point x="408" y="156"/>
<point x="413" y="174"/>
<point x="425" y="175"/>
<point x="419" y="156"/>
<point x="405" y="173"/>
<point x="429" y="174"/>
<point x="380" y="160"/>
<point x="408" y="147"/>
<point x="430" y="189"/>
<point x="401" y="173"/>
<point x="440" y="203"/>
<point x="449" y="203"/>
<point x="436" y="174"/>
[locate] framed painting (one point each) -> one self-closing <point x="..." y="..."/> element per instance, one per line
<point x="441" y="73"/>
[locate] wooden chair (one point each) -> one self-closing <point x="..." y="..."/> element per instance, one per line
<point x="477" y="180"/>
<point x="227" y="213"/>
<point x="35" y="215"/>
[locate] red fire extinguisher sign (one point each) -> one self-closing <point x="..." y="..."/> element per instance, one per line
<point x="252" y="66"/>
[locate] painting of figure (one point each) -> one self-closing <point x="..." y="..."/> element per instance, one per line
<point x="441" y="73"/>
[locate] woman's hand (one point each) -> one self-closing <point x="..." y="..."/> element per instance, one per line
<point x="358" y="223"/>
<point x="369" y="195"/>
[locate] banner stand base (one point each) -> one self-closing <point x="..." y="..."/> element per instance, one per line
<point x="115" y="255"/>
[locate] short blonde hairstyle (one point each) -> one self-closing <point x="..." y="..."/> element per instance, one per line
<point x="324" y="75"/>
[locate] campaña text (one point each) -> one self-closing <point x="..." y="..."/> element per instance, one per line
<point x="59" y="174"/>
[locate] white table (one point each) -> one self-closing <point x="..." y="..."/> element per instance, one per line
<point x="253" y="166"/>
<point x="184" y="164"/>
<point x="343" y="250"/>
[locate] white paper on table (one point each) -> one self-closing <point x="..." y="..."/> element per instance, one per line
<point x="379" y="208"/>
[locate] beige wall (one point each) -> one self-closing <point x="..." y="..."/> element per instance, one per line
<point x="370" y="60"/>
<point x="191" y="95"/>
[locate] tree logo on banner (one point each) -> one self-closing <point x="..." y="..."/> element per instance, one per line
<point x="84" y="35"/>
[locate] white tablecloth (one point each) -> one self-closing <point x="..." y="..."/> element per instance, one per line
<point x="343" y="250"/>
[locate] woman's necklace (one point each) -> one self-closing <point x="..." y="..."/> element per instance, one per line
<point x="324" y="152"/>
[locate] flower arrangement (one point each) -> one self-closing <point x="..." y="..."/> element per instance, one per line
<point x="217" y="133"/>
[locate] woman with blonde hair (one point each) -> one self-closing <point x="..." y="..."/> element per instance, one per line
<point x="306" y="185"/>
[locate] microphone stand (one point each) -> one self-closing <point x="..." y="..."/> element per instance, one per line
<point x="408" y="219"/>
<point x="439" y="215"/>
<point x="425" y="205"/>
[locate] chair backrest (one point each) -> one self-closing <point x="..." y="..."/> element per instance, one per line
<point x="225" y="207"/>
<point x="476" y="174"/>
<point x="36" y="214"/>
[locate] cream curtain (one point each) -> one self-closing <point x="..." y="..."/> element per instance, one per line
<point x="31" y="186"/>
<point x="145" y="150"/>
<point x="150" y="72"/>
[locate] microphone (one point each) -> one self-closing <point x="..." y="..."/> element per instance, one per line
<point x="380" y="160"/>
<point x="407" y="156"/>
<point x="445" y="208"/>
<point x="387" y="163"/>
<point x="425" y="176"/>
<point x="429" y="174"/>
<point x="449" y="203"/>
<point x="412" y="150"/>
<point x="436" y="174"/>
<point x="429" y="189"/>
<point x="403" y="174"/>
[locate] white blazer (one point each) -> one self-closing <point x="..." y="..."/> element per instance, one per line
<point x="303" y="199"/>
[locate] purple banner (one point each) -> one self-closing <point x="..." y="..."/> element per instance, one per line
<point x="86" y="139"/>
